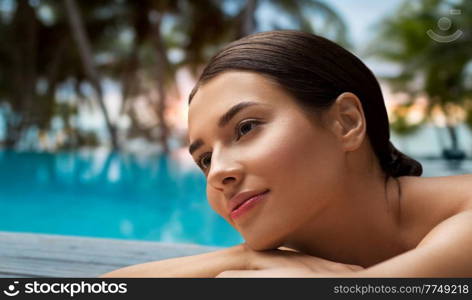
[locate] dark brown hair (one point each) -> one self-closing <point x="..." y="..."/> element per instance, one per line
<point x="315" y="71"/>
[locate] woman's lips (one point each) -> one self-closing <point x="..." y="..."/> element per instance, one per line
<point x="247" y="205"/>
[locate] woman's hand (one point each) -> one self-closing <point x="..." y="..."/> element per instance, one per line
<point x="283" y="263"/>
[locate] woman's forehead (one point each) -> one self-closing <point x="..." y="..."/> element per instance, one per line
<point x="219" y="94"/>
<point x="234" y="82"/>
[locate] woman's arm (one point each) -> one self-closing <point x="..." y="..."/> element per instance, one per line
<point x="201" y="265"/>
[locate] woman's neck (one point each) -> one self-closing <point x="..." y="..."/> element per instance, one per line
<point x="363" y="227"/>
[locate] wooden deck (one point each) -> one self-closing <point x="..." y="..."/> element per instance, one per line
<point x="41" y="255"/>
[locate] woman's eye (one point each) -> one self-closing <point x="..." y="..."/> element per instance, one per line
<point x="204" y="161"/>
<point x="244" y="127"/>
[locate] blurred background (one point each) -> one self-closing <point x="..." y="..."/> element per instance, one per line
<point x="93" y="102"/>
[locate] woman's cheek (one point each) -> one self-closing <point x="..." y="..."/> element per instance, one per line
<point x="279" y="153"/>
<point x="216" y="205"/>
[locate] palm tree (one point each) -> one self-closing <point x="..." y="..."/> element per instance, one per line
<point x="32" y="54"/>
<point x="85" y="52"/>
<point x="20" y="70"/>
<point x="38" y="59"/>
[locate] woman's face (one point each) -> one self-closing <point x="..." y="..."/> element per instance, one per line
<point x="269" y="145"/>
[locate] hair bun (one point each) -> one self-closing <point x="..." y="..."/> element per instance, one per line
<point x="401" y="164"/>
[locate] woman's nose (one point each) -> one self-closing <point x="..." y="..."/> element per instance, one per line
<point x="224" y="172"/>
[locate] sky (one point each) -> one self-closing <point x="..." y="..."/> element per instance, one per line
<point x="361" y="15"/>
<point x="361" y="18"/>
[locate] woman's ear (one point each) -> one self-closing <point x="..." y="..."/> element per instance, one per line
<point x="349" y="124"/>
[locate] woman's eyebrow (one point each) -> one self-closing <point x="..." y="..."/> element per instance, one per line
<point x="223" y="121"/>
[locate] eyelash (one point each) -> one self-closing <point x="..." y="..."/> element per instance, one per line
<point x="238" y="136"/>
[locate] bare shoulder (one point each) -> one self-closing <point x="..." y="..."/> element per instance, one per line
<point x="426" y="202"/>
<point x="454" y="192"/>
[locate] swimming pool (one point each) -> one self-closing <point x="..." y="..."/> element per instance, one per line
<point x="125" y="196"/>
<point x="110" y="195"/>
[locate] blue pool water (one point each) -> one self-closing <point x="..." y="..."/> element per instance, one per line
<point x="99" y="194"/>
